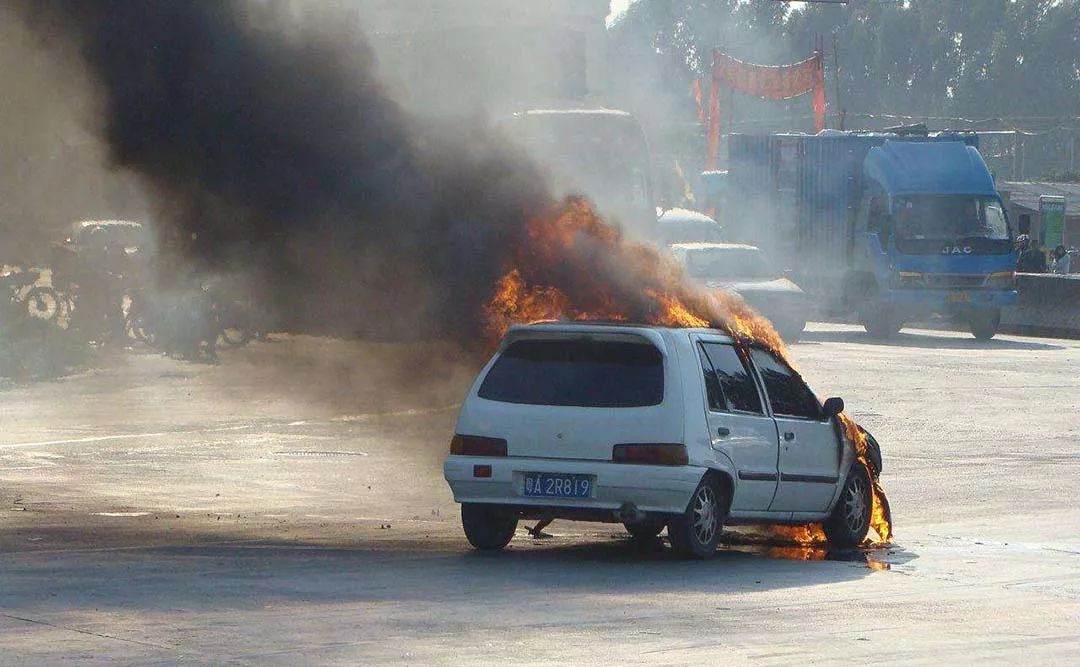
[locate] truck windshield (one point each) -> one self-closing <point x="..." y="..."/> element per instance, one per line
<point x="950" y="218"/>
<point x="728" y="264"/>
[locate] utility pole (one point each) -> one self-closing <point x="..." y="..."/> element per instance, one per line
<point x="841" y="111"/>
<point x="1015" y="154"/>
<point x="1072" y="150"/>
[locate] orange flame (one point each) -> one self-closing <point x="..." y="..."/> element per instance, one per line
<point x="571" y="265"/>
<point x="880" y="516"/>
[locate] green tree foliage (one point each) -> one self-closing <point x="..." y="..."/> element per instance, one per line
<point x="939" y="60"/>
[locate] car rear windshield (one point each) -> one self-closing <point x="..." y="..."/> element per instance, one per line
<point x="579" y="373"/>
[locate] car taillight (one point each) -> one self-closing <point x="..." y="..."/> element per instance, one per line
<point x="652" y="454"/>
<point x="476" y="445"/>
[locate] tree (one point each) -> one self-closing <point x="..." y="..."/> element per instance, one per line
<point x="1003" y="63"/>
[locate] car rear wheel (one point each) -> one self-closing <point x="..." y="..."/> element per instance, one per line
<point x="850" y="519"/>
<point x="696" y="532"/>
<point x="486" y="527"/>
<point x="644" y="531"/>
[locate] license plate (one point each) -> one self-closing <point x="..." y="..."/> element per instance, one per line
<point x="548" y="485"/>
<point x="957" y="297"/>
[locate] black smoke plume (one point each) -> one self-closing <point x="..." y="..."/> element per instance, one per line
<point x="274" y="153"/>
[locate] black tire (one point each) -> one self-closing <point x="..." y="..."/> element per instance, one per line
<point x="696" y="532"/>
<point x="850" y="519"/>
<point x="139" y="329"/>
<point x="984" y="324"/>
<point x="486" y="527"/>
<point x="235" y="336"/>
<point x="792" y="331"/>
<point x="880" y="321"/>
<point x="643" y="532"/>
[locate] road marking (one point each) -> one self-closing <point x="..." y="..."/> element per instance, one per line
<point x="75" y="441"/>
<point x="396" y="413"/>
<point x="86" y="632"/>
<point x="157" y="434"/>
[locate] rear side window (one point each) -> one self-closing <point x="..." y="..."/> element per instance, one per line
<point x="788" y="394"/>
<point x="578" y="373"/>
<point x="733" y="380"/>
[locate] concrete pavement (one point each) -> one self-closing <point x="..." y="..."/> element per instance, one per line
<point x="287" y="507"/>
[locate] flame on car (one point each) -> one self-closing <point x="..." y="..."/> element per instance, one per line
<point x="569" y="264"/>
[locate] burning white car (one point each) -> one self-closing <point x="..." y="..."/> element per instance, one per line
<point x="652" y="427"/>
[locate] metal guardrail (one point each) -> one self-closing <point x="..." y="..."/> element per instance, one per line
<point x="1046" y="304"/>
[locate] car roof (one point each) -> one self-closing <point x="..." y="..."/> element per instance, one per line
<point x="683" y="216"/>
<point x="713" y="246"/>
<point x="83" y="224"/>
<point x="590" y="111"/>
<point x="601" y="326"/>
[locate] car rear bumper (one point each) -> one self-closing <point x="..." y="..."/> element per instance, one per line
<point x="648" y="489"/>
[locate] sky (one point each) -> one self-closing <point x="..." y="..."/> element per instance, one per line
<point x="619" y="6"/>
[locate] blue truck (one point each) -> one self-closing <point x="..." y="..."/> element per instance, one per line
<point x="891" y="227"/>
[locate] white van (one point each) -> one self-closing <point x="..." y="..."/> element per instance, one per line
<point x="651" y="427"/>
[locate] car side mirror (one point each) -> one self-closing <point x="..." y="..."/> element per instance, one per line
<point x="833" y="406"/>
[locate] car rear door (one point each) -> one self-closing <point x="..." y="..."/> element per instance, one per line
<point x="738" y="423"/>
<point x="810" y="446"/>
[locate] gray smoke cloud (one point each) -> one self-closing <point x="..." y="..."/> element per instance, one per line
<point x="273" y="150"/>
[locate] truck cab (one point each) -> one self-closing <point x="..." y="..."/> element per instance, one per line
<point x="934" y="238"/>
<point x="893" y="226"/>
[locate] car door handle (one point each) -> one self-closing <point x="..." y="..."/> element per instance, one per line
<point x="789" y="435"/>
<point x="723" y="431"/>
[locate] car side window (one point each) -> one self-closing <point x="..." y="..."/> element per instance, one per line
<point x="736" y="384"/>
<point x="788" y="394"/>
<point x="713" y="392"/>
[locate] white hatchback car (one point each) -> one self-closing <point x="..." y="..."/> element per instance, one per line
<point x="651" y="427"/>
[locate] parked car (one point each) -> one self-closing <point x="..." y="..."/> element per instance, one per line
<point x="651" y="427"/>
<point x="744" y="270"/>
<point x="680" y="225"/>
<point x="99" y="233"/>
<point x="96" y="246"/>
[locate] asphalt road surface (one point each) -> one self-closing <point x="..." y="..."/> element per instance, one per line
<point x="286" y="507"/>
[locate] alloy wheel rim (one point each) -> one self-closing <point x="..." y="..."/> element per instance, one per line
<point x="705" y="515"/>
<point x="855" y="505"/>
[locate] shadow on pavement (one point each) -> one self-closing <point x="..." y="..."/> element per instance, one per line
<point x="213" y="575"/>
<point x="925" y="339"/>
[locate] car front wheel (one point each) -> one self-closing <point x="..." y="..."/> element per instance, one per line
<point x="850" y="519"/>
<point x="486" y="527"/>
<point x="696" y="532"/>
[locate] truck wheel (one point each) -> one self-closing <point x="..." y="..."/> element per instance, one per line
<point x="850" y="519"/>
<point x="880" y="321"/>
<point x="486" y="527"/>
<point x="696" y="532"/>
<point x="791" y="331"/>
<point x="984" y="323"/>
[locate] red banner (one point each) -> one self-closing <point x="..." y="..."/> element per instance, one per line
<point x="769" y="82"/>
